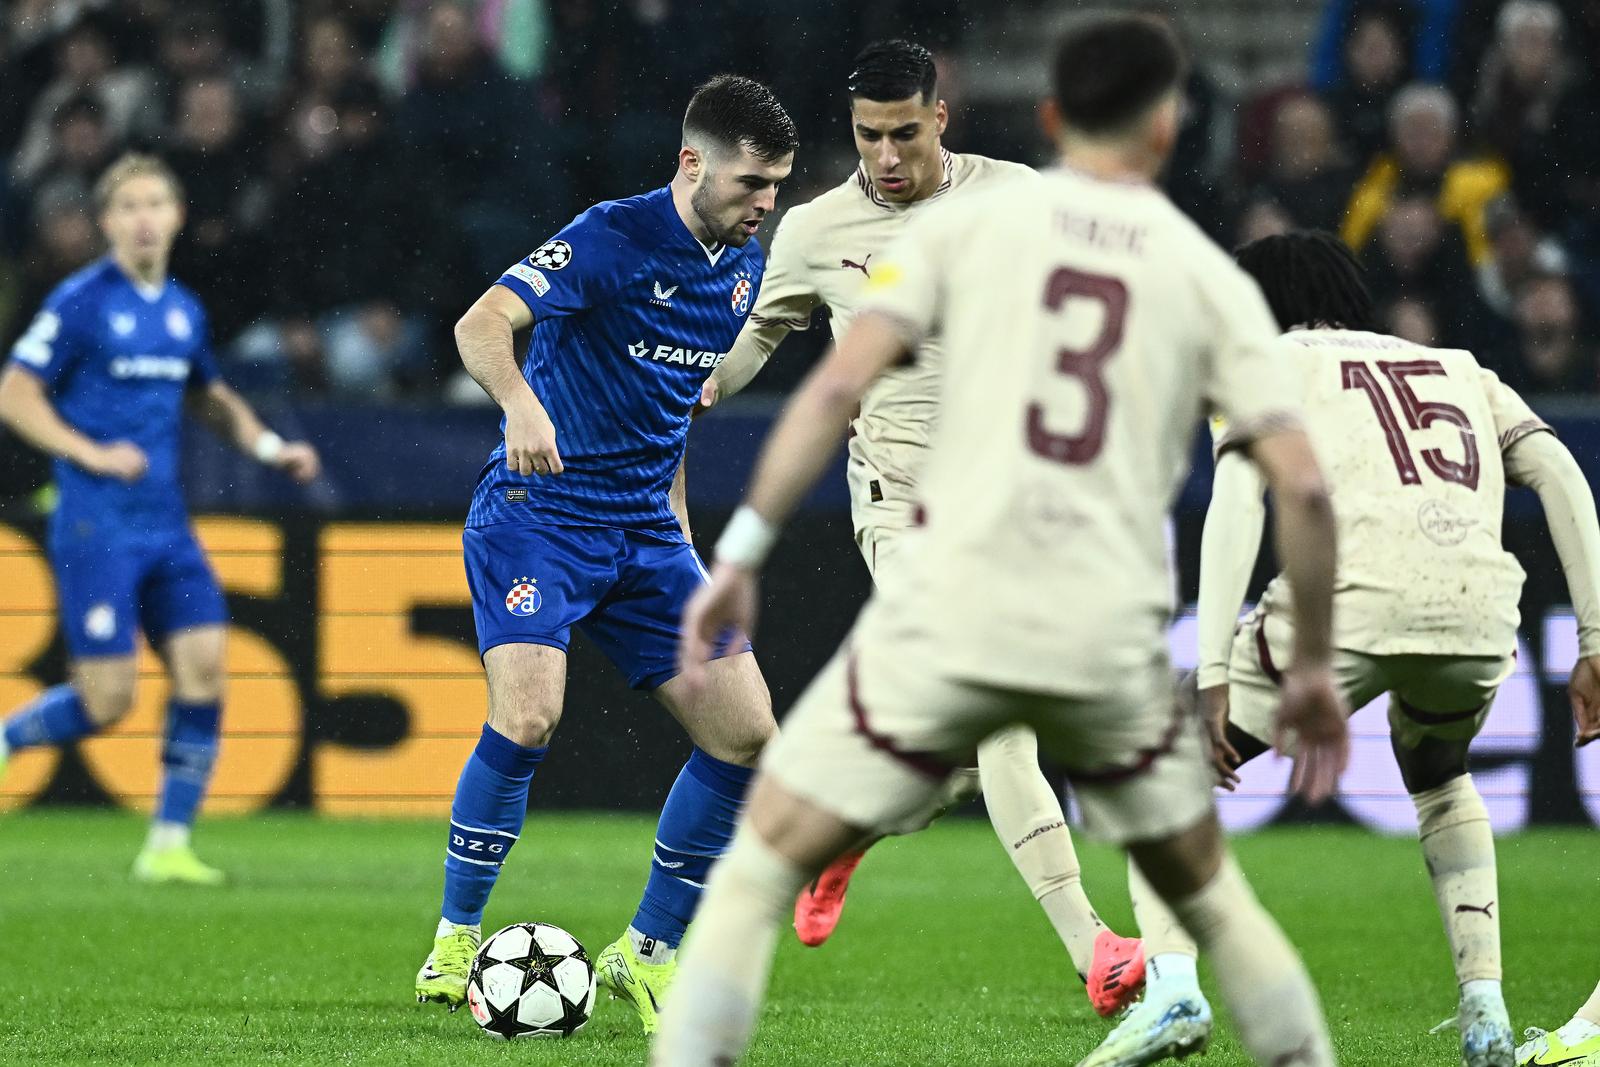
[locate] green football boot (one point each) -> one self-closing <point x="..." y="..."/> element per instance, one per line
<point x="175" y="865"/>
<point x="629" y="978"/>
<point x="443" y="977"/>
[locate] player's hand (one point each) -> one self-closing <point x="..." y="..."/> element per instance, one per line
<point x="1313" y="713"/>
<point x="709" y="394"/>
<point x="531" y="440"/>
<point x="121" y="460"/>
<point x="1214" y="713"/>
<point x="1583" y="689"/>
<point x="299" y="461"/>
<point x="727" y="602"/>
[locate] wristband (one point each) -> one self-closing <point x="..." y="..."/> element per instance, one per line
<point x="746" y="540"/>
<point x="268" y="447"/>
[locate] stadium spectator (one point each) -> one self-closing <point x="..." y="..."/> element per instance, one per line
<point x="515" y="32"/>
<point x="1261" y="217"/>
<point x="1518" y="252"/>
<point x="1374" y="55"/>
<point x="359" y="306"/>
<point x="485" y="143"/>
<point x="221" y="248"/>
<point x="1306" y="174"/>
<point x="86" y="69"/>
<point x="1411" y="320"/>
<point x="1523" y="78"/>
<point x="80" y="147"/>
<point x="1551" y="353"/>
<point x="64" y="239"/>
<point x="1418" y="255"/>
<point x="1424" y="31"/>
<point x="1423" y="159"/>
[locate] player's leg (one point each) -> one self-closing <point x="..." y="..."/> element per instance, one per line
<point x="1137" y="764"/>
<point x="529" y="585"/>
<point x="1026" y="812"/>
<point x="95" y="586"/>
<point x="1576" y="1042"/>
<point x="194" y="659"/>
<point x="846" y="764"/>
<point x="1437" y="707"/>
<point x="184" y="615"/>
<point x="819" y="905"/>
<point x="729" y="721"/>
<point x="526" y="685"/>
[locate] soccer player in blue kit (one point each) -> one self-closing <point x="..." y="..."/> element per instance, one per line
<point x="632" y="306"/>
<point x="100" y="381"/>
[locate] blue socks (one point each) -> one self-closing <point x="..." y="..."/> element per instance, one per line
<point x="56" y="717"/>
<point x="491" y="801"/>
<point x="188" y="752"/>
<point x="696" y="827"/>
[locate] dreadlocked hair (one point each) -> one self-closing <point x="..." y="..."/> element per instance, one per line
<point x="1310" y="278"/>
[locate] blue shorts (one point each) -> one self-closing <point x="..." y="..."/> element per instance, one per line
<point x="626" y="590"/>
<point x="108" y="586"/>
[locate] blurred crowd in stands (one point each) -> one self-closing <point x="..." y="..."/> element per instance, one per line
<point x="357" y="171"/>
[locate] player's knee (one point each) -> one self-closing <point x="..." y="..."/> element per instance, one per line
<point x="107" y="702"/>
<point x="1430" y="764"/>
<point x="743" y="746"/>
<point x="530" y="726"/>
<point x="201" y="680"/>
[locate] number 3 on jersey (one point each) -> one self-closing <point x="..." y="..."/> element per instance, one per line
<point x="1083" y="364"/>
<point x="1419" y="414"/>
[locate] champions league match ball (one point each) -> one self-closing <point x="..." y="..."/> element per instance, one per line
<point x="531" y="980"/>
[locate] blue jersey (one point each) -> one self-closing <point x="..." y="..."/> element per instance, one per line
<point x="117" y="359"/>
<point x="631" y="314"/>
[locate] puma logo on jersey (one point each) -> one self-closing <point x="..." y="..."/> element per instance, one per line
<point x="851" y="264"/>
<point x="662" y="297"/>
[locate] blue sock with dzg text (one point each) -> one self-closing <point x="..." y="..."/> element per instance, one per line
<point x="491" y="802"/>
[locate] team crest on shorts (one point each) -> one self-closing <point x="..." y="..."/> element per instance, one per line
<point x="524" y="598"/>
<point x="100" y="622"/>
<point x="741" y="296"/>
<point x="552" y="255"/>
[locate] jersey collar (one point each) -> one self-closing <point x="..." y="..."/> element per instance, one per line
<point x="712" y="252"/>
<point x="947" y="163"/>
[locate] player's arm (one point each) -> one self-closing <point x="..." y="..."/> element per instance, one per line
<point x="483" y="338"/>
<point x="25" y="408"/>
<point x="1307" y="544"/>
<point x="1543" y="464"/>
<point x="751" y="350"/>
<point x="797" y="451"/>
<point x="230" y="417"/>
<point x="1228" y="549"/>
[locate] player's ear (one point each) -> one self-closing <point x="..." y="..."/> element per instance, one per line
<point x="691" y="162"/>
<point x="1164" y="121"/>
<point x="1049" y="113"/>
<point x="941" y="118"/>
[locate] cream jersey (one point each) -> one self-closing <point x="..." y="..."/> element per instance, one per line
<point x="1086" y="327"/>
<point x="1410" y="440"/>
<point x="824" y="254"/>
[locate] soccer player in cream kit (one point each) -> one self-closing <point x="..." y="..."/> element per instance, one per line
<point x="1088" y="326"/>
<point x="824" y="253"/>
<point x="575" y="520"/>
<point x="100" y="381"/>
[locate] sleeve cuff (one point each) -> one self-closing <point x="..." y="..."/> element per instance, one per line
<point x="1211" y="675"/>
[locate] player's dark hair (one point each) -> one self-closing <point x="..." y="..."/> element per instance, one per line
<point x="893" y="70"/>
<point x="1110" y="70"/>
<point x="731" y="111"/>
<point x="1310" y="278"/>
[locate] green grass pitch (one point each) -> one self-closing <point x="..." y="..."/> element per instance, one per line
<point x="942" y="958"/>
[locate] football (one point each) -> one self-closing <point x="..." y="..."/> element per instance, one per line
<point x="531" y="980"/>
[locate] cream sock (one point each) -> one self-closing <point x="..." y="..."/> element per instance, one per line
<point x="725" y="960"/>
<point x="1587" y="1021"/>
<point x="1166" y="943"/>
<point x="1263" y="981"/>
<point x="1026" y="813"/>
<point x="1458" y="847"/>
